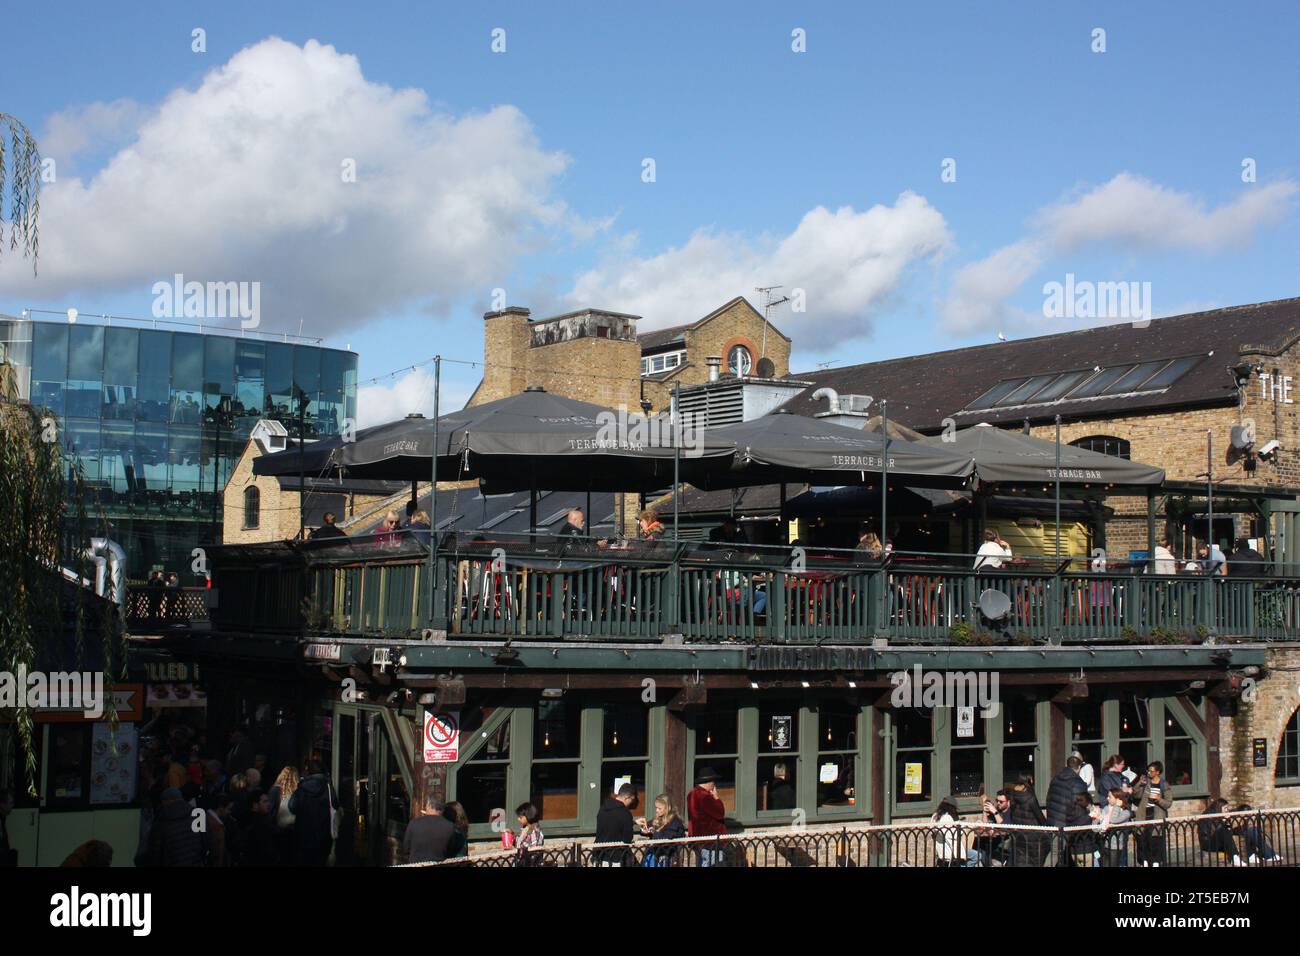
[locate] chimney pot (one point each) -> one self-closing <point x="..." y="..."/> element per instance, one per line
<point x="714" y="362"/>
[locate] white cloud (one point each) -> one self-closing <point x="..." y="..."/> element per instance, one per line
<point x="847" y="262"/>
<point x="241" y="180"/>
<point x="1128" y="213"/>
<point x="405" y="394"/>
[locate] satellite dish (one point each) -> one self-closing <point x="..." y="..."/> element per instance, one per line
<point x="1243" y="435"/>
<point x="994" y="605"/>
<point x="766" y="368"/>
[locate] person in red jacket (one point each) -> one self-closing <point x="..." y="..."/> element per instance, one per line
<point x="705" y="812"/>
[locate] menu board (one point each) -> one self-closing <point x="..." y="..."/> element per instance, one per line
<point x="113" y="759"/>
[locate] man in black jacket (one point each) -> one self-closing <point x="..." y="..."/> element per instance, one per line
<point x="614" y="824"/>
<point x="1246" y="562"/>
<point x="172" y="838"/>
<point x="1063" y="809"/>
<point x="428" y="837"/>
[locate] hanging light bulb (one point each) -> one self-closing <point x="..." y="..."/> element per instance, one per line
<point x="708" y="737"/>
<point x="615" y="740"/>
<point x="546" y="739"/>
<point x="1126" y="723"/>
<point x="828" y="735"/>
<point x="1011" y="727"/>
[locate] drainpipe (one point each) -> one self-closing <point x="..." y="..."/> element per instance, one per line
<point x="110" y="564"/>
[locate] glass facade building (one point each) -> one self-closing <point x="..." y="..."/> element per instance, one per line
<point x="158" y="418"/>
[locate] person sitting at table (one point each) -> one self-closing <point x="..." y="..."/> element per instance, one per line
<point x="869" y="546"/>
<point x="648" y="526"/>
<point x="388" y="534"/>
<point x="575" y="525"/>
<point x="992" y="552"/>
<point x="1164" y="558"/>
<point x="727" y="533"/>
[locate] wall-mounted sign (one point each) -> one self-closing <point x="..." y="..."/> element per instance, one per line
<point x="170" y="672"/>
<point x="965" y="721"/>
<point x="441" y="737"/>
<point x="912" y="778"/>
<point x="322" y="652"/>
<point x="1259" y="751"/>
<point x="1276" y="387"/>
<point x="782" y="734"/>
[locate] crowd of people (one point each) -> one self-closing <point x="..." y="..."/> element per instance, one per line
<point x="1092" y="809"/>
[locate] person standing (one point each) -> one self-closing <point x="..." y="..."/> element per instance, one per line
<point x="1027" y="848"/>
<point x="1164" y="559"/>
<point x="429" y="837"/>
<point x="286" y="784"/>
<point x="313" y="805"/>
<point x="455" y="812"/>
<point x="1151" y="798"/>
<point x="614" y="824"/>
<point x="1063" y="807"/>
<point x="1086" y="773"/>
<point x="705" y="815"/>
<point x="173" y="840"/>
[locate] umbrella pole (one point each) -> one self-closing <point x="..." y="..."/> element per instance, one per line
<point x="1058" y="487"/>
<point x="884" y="472"/>
<point x="433" y="494"/>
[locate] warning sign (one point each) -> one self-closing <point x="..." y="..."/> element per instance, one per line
<point x="441" y="737"/>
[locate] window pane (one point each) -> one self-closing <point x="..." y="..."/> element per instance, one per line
<point x="480" y="789"/>
<point x="1086" y="717"/>
<point x="995" y="393"/>
<point x="775" y="782"/>
<point x="1019" y="724"/>
<point x="913" y="727"/>
<point x="1171" y="373"/>
<point x="978" y="730"/>
<point x="1132" y="381"/>
<point x="1026" y="392"/>
<point x="556" y="728"/>
<point x="1134" y="753"/>
<point x="836" y="792"/>
<point x="1133" y="722"/>
<point x="1063" y="384"/>
<point x="837" y="726"/>
<point x="86" y="352"/>
<point x="967" y="770"/>
<point x="778" y="727"/>
<point x="1102" y="380"/>
<point x="68" y="763"/>
<point x="715" y="731"/>
<point x="612" y="770"/>
<point x="553" y="789"/>
<point x="912" y="773"/>
<point x="1178" y="762"/>
<point x="1017" y="760"/>
<point x="626" y="730"/>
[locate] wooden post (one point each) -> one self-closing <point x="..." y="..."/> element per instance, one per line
<point x="677" y="776"/>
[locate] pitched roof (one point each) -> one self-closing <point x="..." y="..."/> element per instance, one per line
<point x="922" y="390"/>
<point x="661" y="338"/>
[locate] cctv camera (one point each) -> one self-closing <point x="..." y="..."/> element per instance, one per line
<point x="1270" y="449"/>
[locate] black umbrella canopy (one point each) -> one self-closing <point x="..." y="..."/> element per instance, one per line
<point x="533" y="439"/>
<point x="782" y="447"/>
<point x="1003" y="456"/>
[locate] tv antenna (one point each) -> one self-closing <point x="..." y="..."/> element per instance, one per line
<point x="770" y="301"/>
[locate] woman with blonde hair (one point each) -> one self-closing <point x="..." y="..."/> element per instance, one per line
<point x="286" y="782"/>
<point x="666" y="825"/>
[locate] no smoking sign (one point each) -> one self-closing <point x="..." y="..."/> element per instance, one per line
<point x="441" y="737"/>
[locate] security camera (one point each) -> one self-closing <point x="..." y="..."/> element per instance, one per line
<point x="1270" y="449"/>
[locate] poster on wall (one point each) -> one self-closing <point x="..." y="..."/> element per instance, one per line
<point x="112" y="763"/>
<point x="912" y="778"/>
<point x="781" y="734"/>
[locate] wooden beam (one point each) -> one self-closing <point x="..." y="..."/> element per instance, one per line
<point x="1213" y="749"/>
<point x="675" y="769"/>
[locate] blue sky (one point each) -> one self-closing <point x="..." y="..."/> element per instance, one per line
<point x="522" y="170"/>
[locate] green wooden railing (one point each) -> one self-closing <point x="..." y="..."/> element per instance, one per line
<point x="550" y="590"/>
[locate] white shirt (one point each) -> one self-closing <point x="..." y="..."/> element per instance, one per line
<point x="1086" y="774"/>
<point x="990" y="555"/>
<point x="1165" y="561"/>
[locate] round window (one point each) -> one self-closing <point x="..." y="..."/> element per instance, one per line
<point x="739" y="361"/>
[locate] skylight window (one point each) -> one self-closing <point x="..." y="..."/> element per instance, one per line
<point x="1132" y="381"/>
<point x="1026" y="391"/>
<point x="1100" y="382"/>
<point x="991" y="397"/>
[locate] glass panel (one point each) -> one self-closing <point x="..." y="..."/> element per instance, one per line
<point x="1171" y="373"/>
<point x="978" y="730"/>
<point x="778" y="727"/>
<point x="121" y="348"/>
<point x="995" y="393"/>
<point x="279" y="381"/>
<point x="1099" y="382"/>
<point x="1087" y="720"/>
<point x="496" y="746"/>
<point x="1173" y="727"/>
<point x="1063" y="384"/>
<point x="836" y="791"/>
<point x="49" y="366"/>
<point x="151" y="455"/>
<point x="183" y="457"/>
<point x="1132" y="382"/>
<point x="556" y="728"/>
<point x="775" y="783"/>
<point x="1133" y="719"/>
<point x="69" y="763"/>
<point x="612" y="770"/>
<point x="966" y="771"/>
<point x="153" y="382"/>
<point x="1020" y="759"/>
<point x="912" y="772"/>
<point x="187" y="379"/>
<point x="250" y="384"/>
<point x="1026" y="392"/>
<point x="480" y="789"/>
<point x="1134" y="753"/>
<point x="1178" y="761"/>
<point x="626" y="730"/>
<point x="118" y="445"/>
<point x="837" y="726"/>
<point x="85" y="371"/>
<point x="1018" y="715"/>
<point x="715" y="731"/>
<point x="913" y="727"/>
<point x="553" y="789"/>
